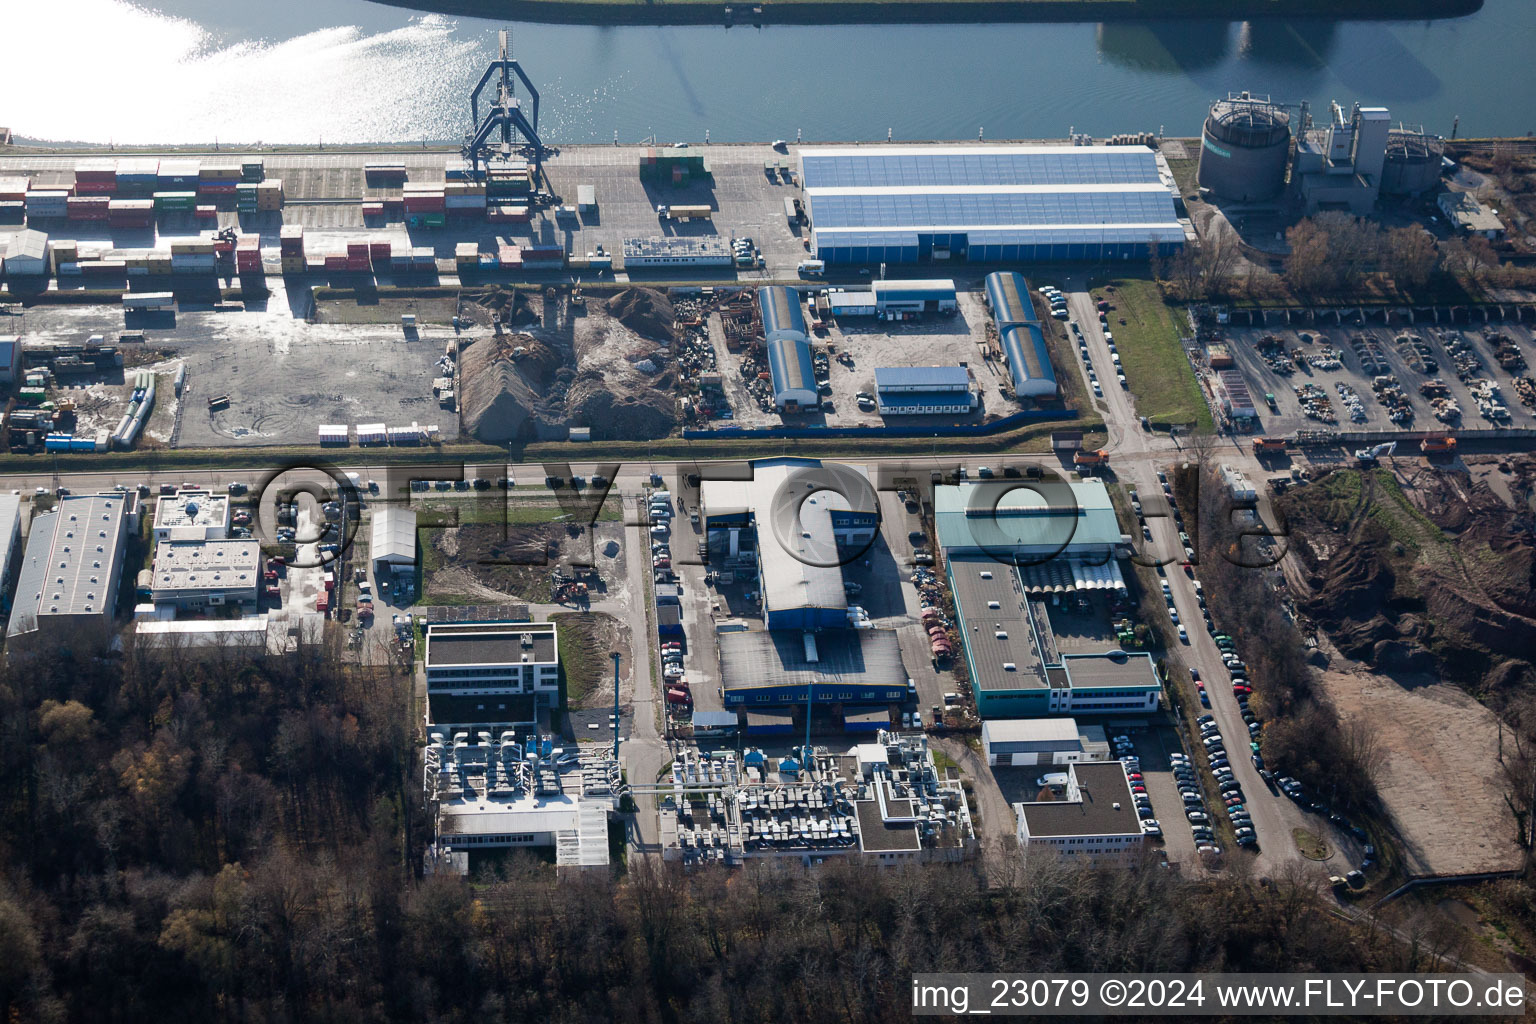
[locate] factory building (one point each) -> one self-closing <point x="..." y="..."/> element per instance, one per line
<point x="1029" y="523"/>
<point x="198" y="574"/>
<point x="1011" y="550"/>
<point x="488" y="792"/>
<point x="1020" y="336"/>
<point x="1340" y="167"/>
<point x="1414" y="161"/>
<point x="392" y="546"/>
<point x="1015" y="669"/>
<point x="794" y="523"/>
<point x="923" y="390"/>
<point x="852" y="671"/>
<point x="1026" y="742"/>
<point x="987" y="204"/>
<point x="490" y="673"/>
<point x="27" y="254"/>
<point x="1096" y="823"/>
<point x="677" y="251"/>
<point x="191" y="515"/>
<point x="896" y="300"/>
<point x="789" y="349"/>
<point x="72" y="564"/>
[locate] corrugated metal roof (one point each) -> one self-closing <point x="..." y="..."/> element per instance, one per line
<point x="394" y="535"/>
<point x="928" y="378"/>
<point x="1029" y="358"/>
<point x="1008" y="294"/>
<point x="781" y="312"/>
<point x="790" y="363"/>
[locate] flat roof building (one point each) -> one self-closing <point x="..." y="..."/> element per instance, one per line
<point x="923" y="390"/>
<point x="10" y="542"/>
<point x="10" y="358"/>
<point x="1023" y="742"/>
<point x="987" y="203"/>
<point x="1014" y="668"/>
<point x="487" y="793"/>
<point x="760" y="670"/>
<point x="194" y="574"/>
<point x="72" y="564"/>
<point x="492" y="660"/>
<point x="192" y="515"/>
<point x="1096" y="822"/>
<point x="797" y="521"/>
<point x="935" y="296"/>
<point x="1029" y="521"/>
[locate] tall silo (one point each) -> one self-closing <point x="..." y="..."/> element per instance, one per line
<point x="1244" y="147"/>
<point x="1413" y="161"/>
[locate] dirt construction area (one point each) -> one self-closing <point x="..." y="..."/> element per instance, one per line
<point x="1465" y="374"/>
<point x="1418" y="581"/>
<point x="1440" y="780"/>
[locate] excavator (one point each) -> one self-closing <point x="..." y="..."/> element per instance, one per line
<point x="1369" y="456"/>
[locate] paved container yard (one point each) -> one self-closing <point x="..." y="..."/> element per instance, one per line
<point x="1355" y="347"/>
<point x="324" y="192"/>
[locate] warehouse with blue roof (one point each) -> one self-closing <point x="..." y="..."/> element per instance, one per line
<point x="789" y="349"/>
<point x="1021" y="337"/>
<point x="987" y="204"/>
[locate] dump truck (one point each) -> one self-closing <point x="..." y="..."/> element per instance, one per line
<point x="1093" y="458"/>
<point x="1437" y="443"/>
<point x="1263" y="445"/>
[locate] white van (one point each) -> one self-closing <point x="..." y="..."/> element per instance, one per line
<point x="811" y="268"/>
<point x="1053" y="779"/>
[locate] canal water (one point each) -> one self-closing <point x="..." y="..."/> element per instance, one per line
<point x="337" y="71"/>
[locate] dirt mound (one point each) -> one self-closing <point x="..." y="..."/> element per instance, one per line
<point x="645" y="311"/>
<point x="591" y="371"/>
<point x="1421" y="569"/>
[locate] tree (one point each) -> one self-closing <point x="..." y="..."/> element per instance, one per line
<point x="69" y="724"/>
<point x="1183" y="269"/>
<point x="1410" y="256"/>
<point x="1306" y="265"/>
<point x="1354" y="245"/>
<point x="1220" y="254"/>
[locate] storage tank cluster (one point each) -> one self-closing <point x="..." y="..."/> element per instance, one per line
<point x="1244" y="148"/>
<point x="139" y="408"/>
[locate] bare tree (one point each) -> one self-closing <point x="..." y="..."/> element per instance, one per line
<point x="1410" y="256"/>
<point x="1220" y="255"/>
<point x="1306" y="266"/>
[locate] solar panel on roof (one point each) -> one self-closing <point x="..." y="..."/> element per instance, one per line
<point x="1025" y="167"/>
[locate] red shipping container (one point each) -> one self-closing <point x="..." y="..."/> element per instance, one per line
<point x="357" y="248"/>
<point x="373" y="209"/>
<point x="207" y="211"/>
<point x="544" y="252"/>
<point x="378" y="248"/>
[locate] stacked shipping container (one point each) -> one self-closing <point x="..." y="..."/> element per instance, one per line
<point x="291" y="249"/>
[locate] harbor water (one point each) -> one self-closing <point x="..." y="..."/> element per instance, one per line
<point x="348" y="71"/>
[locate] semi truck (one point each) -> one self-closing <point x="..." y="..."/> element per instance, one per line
<point x="1268" y="445"/>
<point x="1090" y="459"/>
<point x="665" y="212"/>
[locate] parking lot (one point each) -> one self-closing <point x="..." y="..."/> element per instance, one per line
<point x="1321" y="360"/>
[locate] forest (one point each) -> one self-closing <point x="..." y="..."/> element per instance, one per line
<point x="212" y="839"/>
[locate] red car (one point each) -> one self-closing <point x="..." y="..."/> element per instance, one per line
<point x="1189" y="570"/>
<point x="1244" y="690"/>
